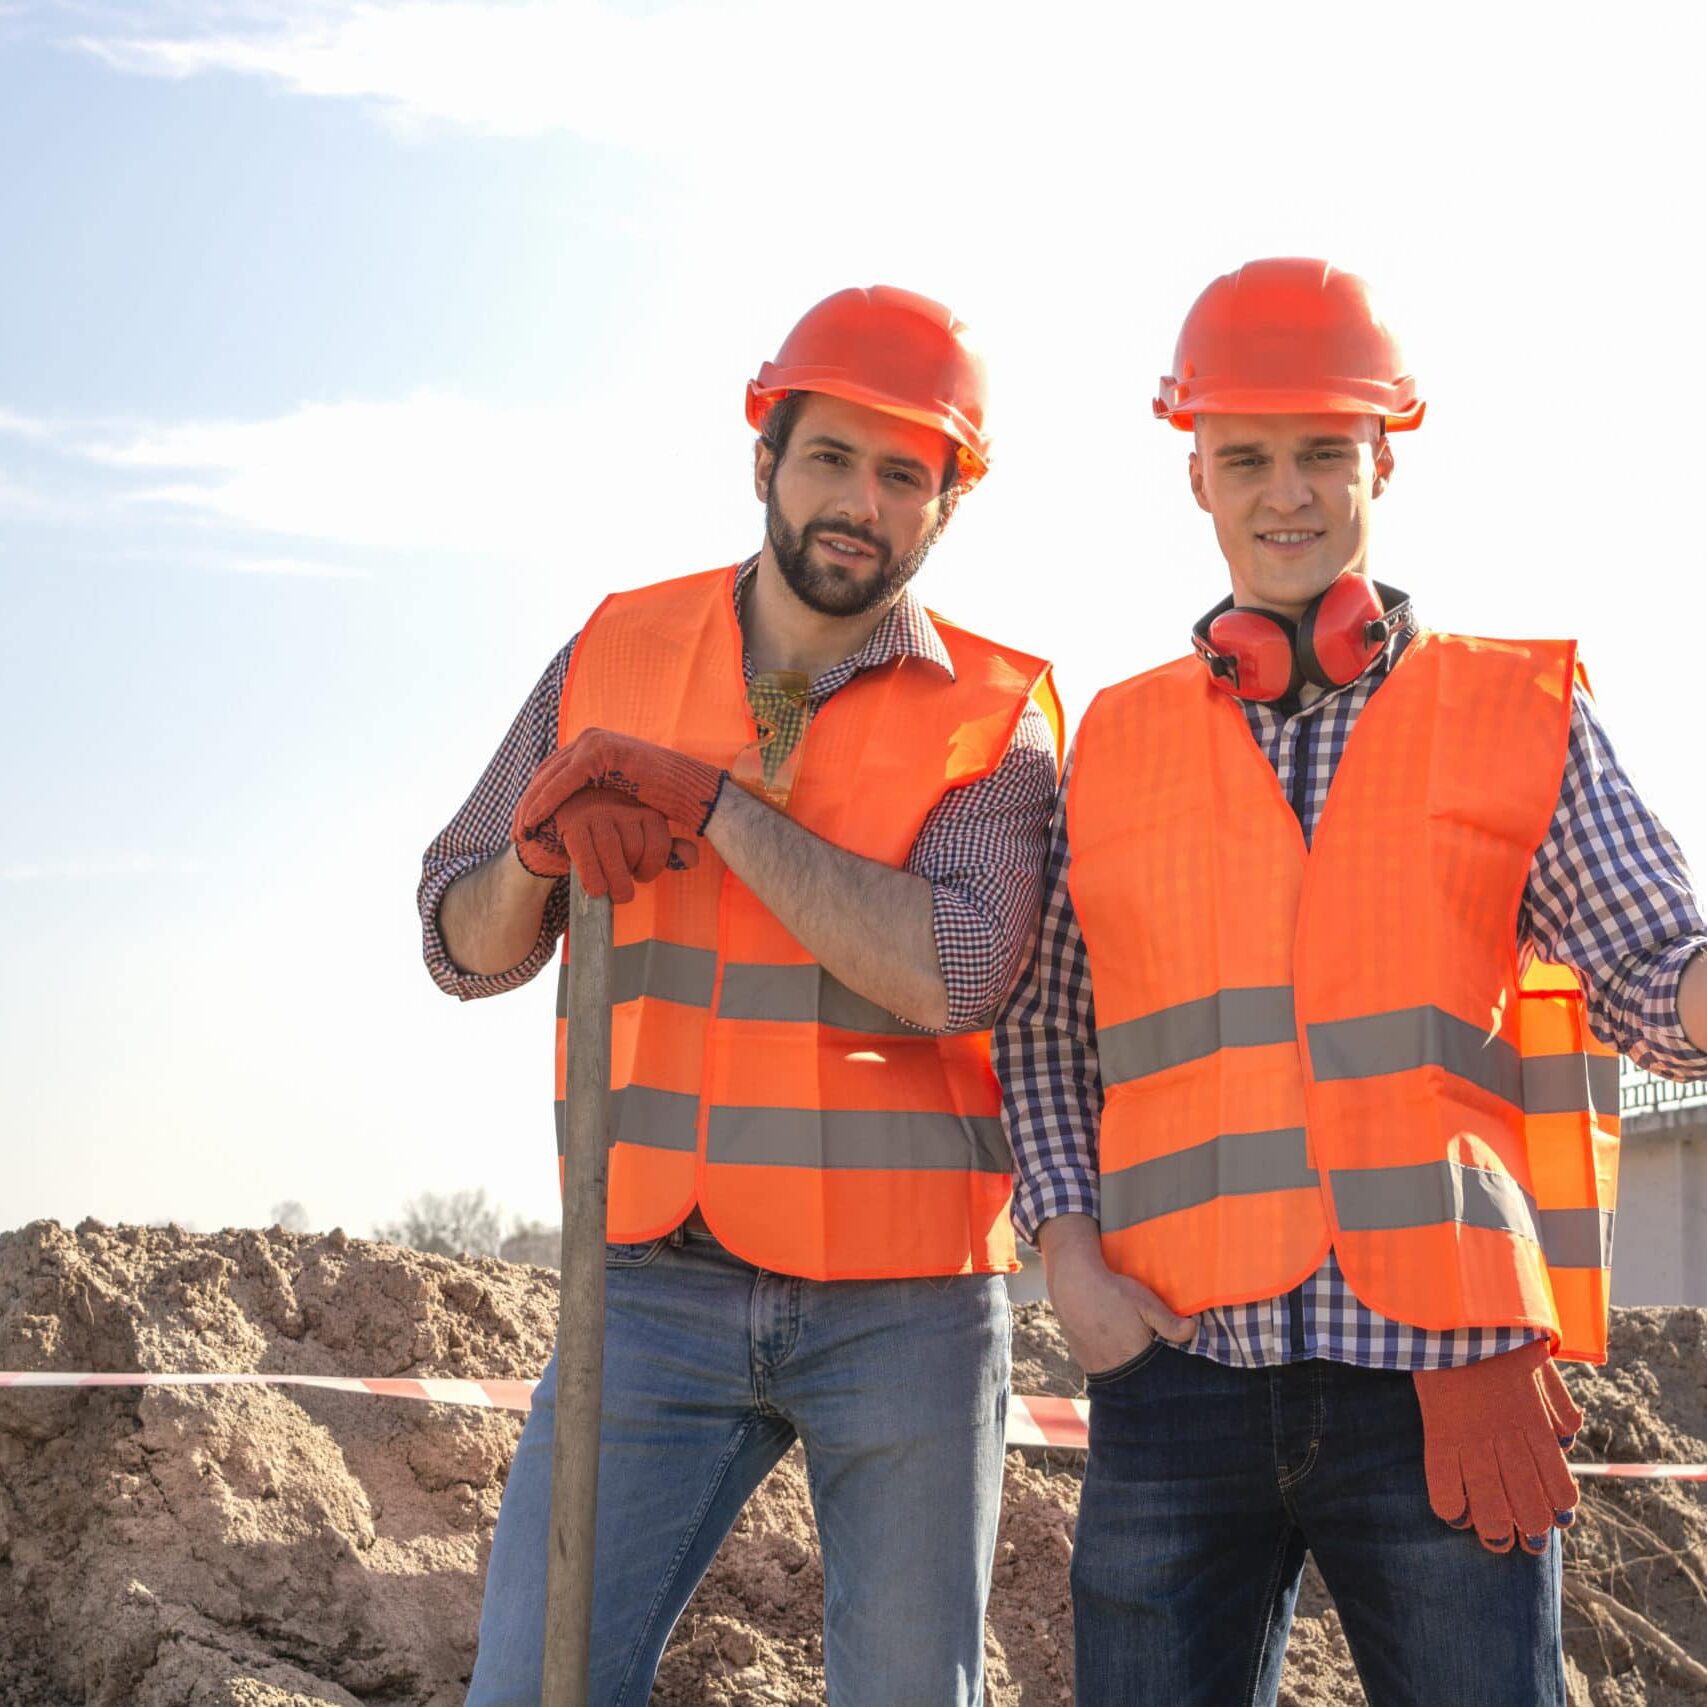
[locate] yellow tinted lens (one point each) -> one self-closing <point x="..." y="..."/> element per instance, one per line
<point x="781" y="709"/>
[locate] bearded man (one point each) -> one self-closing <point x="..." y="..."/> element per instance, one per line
<point x="822" y="813"/>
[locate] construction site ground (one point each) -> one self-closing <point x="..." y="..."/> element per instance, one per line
<point x="275" y="1547"/>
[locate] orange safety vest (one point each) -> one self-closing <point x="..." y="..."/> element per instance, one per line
<point x="1332" y="1046"/>
<point x="819" y="1135"/>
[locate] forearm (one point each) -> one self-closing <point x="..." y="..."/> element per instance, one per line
<point x="1051" y="1108"/>
<point x="1044" y="1051"/>
<point x="1068" y="1239"/>
<point x="1610" y="896"/>
<point x="867" y="924"/>
<point x="1692" y="1001"/>
<point x="478" y="837"/>
<point x="491" y="917"/>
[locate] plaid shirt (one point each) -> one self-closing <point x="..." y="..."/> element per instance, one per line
<point x="981" y="849"/>
<point x="1608" y="895"/>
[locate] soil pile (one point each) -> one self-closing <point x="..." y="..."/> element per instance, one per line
<point x="197" y="1547"/>
<point x="182" y="1547"/>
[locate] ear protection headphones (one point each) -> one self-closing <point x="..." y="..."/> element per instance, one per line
<point x="1258" y="654"/>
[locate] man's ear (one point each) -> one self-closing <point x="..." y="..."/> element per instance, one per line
<point x="947" y="504"/>
<point x="1383" y="466"/>
<point x="1194" y="464"/>
<point x="764" y="466"/>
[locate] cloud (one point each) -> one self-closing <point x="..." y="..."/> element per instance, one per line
<point x="340" y="490"/>
<point x="21" y="502"/>
<point x="519" y="70"/>
<point x="944" y="89"/>
<point x="430" y="472"/>
<point x="88" y="870"/>
<point x="291" y="566"/>
<point x="26" y="427"/>
<point x="864" y="111"/>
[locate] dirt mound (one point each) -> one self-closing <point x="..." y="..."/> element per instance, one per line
<point x="175" y="1547"/>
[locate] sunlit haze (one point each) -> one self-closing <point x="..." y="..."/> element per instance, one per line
<point x="350" y="353"/>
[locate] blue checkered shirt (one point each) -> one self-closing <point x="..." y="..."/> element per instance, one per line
<point x="981" y="848"/>
<point x="1608" y="895"/>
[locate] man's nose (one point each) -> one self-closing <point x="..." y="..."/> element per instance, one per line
<point x="1286" y="488"/>
<point x="857" y="496"/>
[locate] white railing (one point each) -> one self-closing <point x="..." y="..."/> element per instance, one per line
<point x="1641" y="1093"/>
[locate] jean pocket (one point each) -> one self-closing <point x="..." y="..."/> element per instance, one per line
<point x="632" y="1256"/>
<point x="1103" y="1377"/>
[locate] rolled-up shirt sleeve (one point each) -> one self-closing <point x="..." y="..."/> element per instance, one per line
<point x="481" y="829"/>
<point x="982" y="850"/>
<point x="1610" y="896"/>
<point x="1045" y="1056"/>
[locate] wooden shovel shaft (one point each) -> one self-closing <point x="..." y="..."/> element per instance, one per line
<point x="581" y="1306"/>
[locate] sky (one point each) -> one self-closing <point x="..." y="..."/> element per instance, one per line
<point x="350" y="353"/>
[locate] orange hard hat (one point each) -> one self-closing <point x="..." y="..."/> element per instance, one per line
<point x="891" y="350"/>
<point x="1288" y="337"/>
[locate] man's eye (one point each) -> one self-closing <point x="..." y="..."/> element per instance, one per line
<point x="828" y="456"/>
<point x="903" y="476"/>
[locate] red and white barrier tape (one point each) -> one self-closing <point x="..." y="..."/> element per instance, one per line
<point x="1033" y="1420"/>
<point x="1644" y="1472"/>
<point x="500" y="1395"/>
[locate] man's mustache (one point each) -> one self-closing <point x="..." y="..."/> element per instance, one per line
<point x="847" y="531"/>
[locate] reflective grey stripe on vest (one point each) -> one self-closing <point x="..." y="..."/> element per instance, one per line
<point x="1409" y="1038"/>
<point x="653" y="1120"/>
<point x="665" y="970"/>
<point x="1233" y="1165"/>
<point x="842" y="1138"/>
<point x="1577" y="1238"/>
<point x="1230" y="1019"/>
<point x="807" y="994"/>
<point x="1569" y="1084"/>
<point x="1428" y="1194"/>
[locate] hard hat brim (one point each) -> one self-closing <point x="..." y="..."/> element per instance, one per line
<point x="1402" y="414"/>
<point x="971" y="449"/>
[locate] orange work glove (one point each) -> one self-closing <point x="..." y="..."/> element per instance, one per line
<point x="683" y="789"/>
<point x="610" y="841"/>
<point x="1494" y="1439"/>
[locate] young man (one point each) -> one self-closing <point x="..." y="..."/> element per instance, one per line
<point x="1322" y="1178"/>
<point x="822" y="813"/>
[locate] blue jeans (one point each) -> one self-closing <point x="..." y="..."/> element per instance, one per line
<point x="1204" y="1488"/>
<point x="713" y="1368"/>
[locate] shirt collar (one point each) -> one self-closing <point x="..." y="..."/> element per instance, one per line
<point x="906" y="631"/>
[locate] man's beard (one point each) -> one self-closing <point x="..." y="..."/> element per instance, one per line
<point x="831" y="590"/>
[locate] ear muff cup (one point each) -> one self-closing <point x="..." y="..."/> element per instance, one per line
<point x="1262" y="648"/>
<point x="1261" y="655"/>
<point x="1335" y="637"/>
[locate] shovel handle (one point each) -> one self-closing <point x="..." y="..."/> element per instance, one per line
<point x="581" y="1305"/>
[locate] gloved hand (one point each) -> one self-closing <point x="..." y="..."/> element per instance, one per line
<point x="1494" y="1439"/>
<point x="683" y="789"/>
<point x="610" y="841"/>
